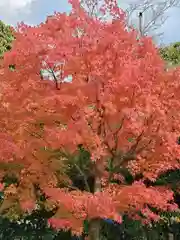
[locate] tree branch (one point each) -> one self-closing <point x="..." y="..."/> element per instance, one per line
<point x="84" y="177"/>
<point x="153" y="14"/>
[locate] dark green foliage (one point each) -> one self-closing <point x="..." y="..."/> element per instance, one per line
<point x="171" y="178"/>
<point x="133" y="230"/>
<point x="33" y="227"/>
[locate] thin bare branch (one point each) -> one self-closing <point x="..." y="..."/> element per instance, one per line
<point x="154" y="15"/>
<point x="84" y="177"/>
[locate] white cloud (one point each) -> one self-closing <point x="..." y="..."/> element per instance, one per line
<point x="15" y="4"/>
<point x="12" y="11"/>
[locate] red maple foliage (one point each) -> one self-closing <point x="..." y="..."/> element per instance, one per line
<point x="121" y="106"/>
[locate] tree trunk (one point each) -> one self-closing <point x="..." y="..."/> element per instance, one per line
<point x="170" y="236"/>
<point x="140" y="24"/>
<point x="94" y="229"/>
<point x="94" y="224"/>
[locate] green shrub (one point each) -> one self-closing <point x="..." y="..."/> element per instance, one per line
<point x="6" y="38"/>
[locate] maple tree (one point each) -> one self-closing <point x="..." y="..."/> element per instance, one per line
<point x="118" y="110"/>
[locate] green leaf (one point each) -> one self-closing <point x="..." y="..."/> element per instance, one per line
<point x="130" y="139"/>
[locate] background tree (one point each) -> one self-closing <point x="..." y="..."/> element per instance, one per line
<point x="171" y="54"/>
<point x="6" y="38"/>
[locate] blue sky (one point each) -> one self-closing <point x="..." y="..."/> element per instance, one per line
<point x="36" y="11"/>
